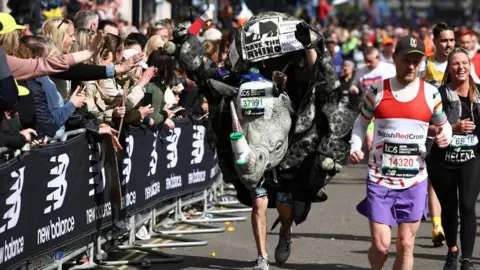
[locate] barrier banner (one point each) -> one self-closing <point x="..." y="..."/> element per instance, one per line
<point x="55" y="195"/>
<point x="179" y="162"/>
<point x="59" y="194"/>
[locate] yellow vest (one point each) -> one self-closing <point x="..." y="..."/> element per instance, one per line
<point x="432" y="75"/>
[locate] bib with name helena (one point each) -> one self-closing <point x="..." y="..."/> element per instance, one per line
<point x="397" y="159"/>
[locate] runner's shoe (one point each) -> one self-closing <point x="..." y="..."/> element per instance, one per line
<point x="438" y="236"/>
<point x="466" y="265"/>
<point x="283" y="249"/>
<point x="451" y="262"/>
<point x="261" y="263"/>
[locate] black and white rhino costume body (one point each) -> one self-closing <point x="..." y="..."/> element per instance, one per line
<point x="283" y="146"/>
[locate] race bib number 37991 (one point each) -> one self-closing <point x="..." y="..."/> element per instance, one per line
<point x="400" y="160"/>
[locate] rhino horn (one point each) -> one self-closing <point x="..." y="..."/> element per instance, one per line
<point x="244" y="155"/>
<point x="223" y="88"/>
<point x="236" y="127"/>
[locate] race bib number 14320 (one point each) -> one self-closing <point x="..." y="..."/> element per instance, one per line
<point x="400" y="160"/>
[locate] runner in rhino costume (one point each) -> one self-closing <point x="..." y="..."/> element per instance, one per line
<point x="288" y="160"/>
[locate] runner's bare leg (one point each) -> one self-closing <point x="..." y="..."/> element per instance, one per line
<point x="378" y="252"/>
<point x="259" y="224"/>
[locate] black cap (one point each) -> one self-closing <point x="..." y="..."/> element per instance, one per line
<point x="409" y="44"/>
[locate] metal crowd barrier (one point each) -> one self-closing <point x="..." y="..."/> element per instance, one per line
<point x="201" y="222"/>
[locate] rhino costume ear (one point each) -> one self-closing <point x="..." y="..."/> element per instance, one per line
<point x="285" y="99"/>
<point x="222" y="88"/>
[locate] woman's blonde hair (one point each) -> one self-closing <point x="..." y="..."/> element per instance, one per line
<point x="447" y="78"/>
<point x="152" y="45"/>
<point x="83" y="36"/>
<point x="10" y="41"/>
<point x="56" y="28"/>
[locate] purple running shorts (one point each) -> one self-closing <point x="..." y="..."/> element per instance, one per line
<point x="392" y="207"/>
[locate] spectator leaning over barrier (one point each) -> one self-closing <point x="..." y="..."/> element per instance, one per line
<point x="155" y="90"/>
<point x="23" y="69"/>
<point x="87" y="19"/>
<point x="105" y="97"/>
<point x="38" y="46"/>
<point x="455" y="170"/>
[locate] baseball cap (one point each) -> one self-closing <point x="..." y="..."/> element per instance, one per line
<point x="8" y="24"/>
<point x="387" y="41"/>
<point x="22" y="91"/>
<point x="409" y="44"/>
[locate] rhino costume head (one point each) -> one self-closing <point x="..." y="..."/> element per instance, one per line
<point x="259" y="140"/>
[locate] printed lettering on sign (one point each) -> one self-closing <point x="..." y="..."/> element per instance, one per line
<point x="400" y="160"/>
<point x="289" y="43"/>
<point x="172" y="148"/>
<point x="59" y="183"/>
<point x="154" y="155"/>
<point x="14" y="200"/>
<point x="198" y="144"/>
<point x="14" y="246"/>
<point x="127" y="160"/>
<point x="261" y="39"/>
<point x="97" y="158"/>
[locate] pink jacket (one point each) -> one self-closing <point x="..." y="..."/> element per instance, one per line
<point x="24" y="69"/>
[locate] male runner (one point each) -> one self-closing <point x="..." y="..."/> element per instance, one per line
<point x="403" y="107"/>
<point x="432" y="72"/>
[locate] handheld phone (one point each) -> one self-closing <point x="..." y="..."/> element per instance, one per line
<point x="83" y="90"/>
<point x="174" y="107"/>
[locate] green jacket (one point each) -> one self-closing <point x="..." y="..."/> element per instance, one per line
<point x="154" y="94"/>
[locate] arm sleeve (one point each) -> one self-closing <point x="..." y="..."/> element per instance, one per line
<point x="45" y="124"/>
<point x="134" y="97"/>
<point x="23" y="69"/>
<point x="439" y="118"/>
<point x="363" y="120"/>
<point x="13" y="141"/>
<point x="158" y="115"/>
<point x="84" y="72"/>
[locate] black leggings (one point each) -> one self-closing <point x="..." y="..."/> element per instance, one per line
<point x="465" y="180"/>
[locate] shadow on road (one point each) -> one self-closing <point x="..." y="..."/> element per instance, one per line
<point x="217" y="263"/>
<point x="329" y="236"/>
<point x="417" y="255"/>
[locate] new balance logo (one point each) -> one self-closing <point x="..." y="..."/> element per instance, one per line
<point x="14" y="200"/>
<point x="154" y="155"/>
<point x="172" y="156"/>
<point x="198" y="144"/>
<point x="97" y="159"/>
<point x="59" y="183"/>
<point x="128" y="161"/>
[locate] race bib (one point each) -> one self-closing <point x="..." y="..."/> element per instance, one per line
<point x="400" y="160"/>
<point x="252" y="101"/>
<point x="461" y="149"/>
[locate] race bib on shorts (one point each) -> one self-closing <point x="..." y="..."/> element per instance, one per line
<point x="252" y="101"/>
<point x="461" y="148"/>
<point x="400" y="160"/>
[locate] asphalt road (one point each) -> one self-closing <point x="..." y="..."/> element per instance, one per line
<point x="334" y="236"/>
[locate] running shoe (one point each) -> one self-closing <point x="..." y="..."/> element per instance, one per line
<point x="261" y="263"/>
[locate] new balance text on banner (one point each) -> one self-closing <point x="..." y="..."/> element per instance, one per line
<point x="55" y="194"/>
<point x="59" y="194"/>
<point x="179" y="162"/>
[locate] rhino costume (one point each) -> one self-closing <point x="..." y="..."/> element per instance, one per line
<point x="286" y="148"/>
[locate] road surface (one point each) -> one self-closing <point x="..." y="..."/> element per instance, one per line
<point x="334" y="236"/>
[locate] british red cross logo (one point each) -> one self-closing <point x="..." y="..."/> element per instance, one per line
<point x="413" y="42"/>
